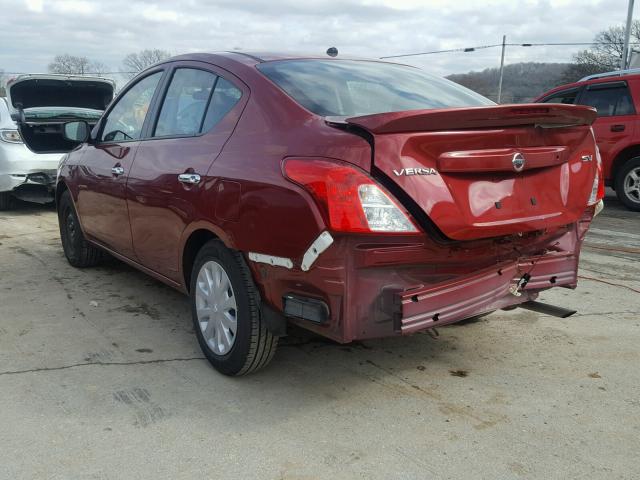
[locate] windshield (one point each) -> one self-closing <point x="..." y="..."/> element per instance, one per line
<point x="353" y="88"/>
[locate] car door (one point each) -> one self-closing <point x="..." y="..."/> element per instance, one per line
<point x="105" y="164"/>
<point x="192" y="121"/>
<point x="615" y="124"/>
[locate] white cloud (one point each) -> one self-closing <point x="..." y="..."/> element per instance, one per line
<point x="75" y="6"/>
<point x="156" y="14"/>
<point x="107" y="31"/>
<point x="34" y="5"/>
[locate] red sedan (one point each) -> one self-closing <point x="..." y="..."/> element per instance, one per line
<point x="357" y="199"/>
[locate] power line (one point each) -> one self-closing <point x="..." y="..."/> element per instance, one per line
<point x="481" y="47"/>
<point x="468" y="49"/>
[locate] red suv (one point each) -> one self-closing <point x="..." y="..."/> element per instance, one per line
<point x="357" y="199"/>
<point x="616" y="97"/>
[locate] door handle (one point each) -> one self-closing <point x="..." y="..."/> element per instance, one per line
<point x="190" y="178"/>
<point x="617" y="128"/>
<point x="117" y="170"/>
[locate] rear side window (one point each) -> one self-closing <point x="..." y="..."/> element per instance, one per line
<point x="609" y="100"/>
<point x="195" y="102"/>
<point x="225" y="97"/>
<point x="350" y="88"/>
<point x="567" y="97"/>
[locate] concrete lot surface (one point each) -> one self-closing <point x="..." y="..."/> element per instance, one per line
<point x="101" y="378"/>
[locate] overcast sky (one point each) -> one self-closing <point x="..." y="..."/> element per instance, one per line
<point x="32" y="32"/>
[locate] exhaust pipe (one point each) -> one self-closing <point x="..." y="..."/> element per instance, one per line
<point x="547" y="309"/>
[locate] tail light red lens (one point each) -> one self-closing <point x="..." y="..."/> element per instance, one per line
<point x="351" y="200"/>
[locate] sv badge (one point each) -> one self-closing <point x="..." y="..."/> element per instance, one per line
<point x="415" y="171"/>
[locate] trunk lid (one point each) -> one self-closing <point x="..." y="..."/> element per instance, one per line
<point x="31" y="91"/>
<point x="488" y="171"/>
<point x="41" y="103"/>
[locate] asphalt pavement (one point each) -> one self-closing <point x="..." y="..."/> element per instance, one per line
<point x="101" y="377"/>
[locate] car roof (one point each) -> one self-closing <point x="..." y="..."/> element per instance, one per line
<point x="256" y="57"/>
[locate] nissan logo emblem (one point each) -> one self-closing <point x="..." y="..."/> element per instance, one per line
<point x="518" y="162"/>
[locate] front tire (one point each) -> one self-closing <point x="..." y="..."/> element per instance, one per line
<point x="78" y="251"/>
<point x="5" y="200"/>
<point x="225" y="306"/>
<point x="628" y="184"/>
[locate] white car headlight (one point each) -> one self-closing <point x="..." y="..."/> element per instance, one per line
<point x="10" y="136"/>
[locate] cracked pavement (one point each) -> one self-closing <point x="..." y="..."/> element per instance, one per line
<point x="101" y="377"/>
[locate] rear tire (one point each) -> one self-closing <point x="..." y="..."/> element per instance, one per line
<point x="225" y="305"/>
<point x="628" y="184"/>
<point x="78" y="251"/>
<point x="5" y="200"/>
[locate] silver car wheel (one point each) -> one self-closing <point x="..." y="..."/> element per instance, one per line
<point x="216" y="308"/>
<point x="632" y="184"/>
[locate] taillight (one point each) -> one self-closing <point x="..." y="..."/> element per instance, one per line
<point x="597" y="190"/>
<point x="351" y="200"/>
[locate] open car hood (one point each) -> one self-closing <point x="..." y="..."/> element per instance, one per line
<point x="40" y="90"/>
<point x="40" y="104"/>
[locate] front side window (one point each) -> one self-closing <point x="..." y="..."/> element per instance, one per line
<point x="567" y="97"/>
<point x="609" y="100"/>
<point x="351" y="88"/>
<point x="124" y="122"/>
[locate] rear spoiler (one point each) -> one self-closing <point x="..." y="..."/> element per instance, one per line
<point x="549" y="116"/>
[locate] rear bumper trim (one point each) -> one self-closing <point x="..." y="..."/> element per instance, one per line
<point x="487" y="290"/>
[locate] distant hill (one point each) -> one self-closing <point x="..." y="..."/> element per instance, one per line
<point x="521" y="83"/>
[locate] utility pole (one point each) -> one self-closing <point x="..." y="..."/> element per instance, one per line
<point x="624" y="62"/>
<point x="504" y="44"/>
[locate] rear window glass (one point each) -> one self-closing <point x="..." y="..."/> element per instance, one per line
<point x="350" y="88"/>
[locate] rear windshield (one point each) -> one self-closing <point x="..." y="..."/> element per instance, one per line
<point x="352" y="88"/>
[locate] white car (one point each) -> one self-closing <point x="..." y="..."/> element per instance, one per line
<point x="42" y="103"/>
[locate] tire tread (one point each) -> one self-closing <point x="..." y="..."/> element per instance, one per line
<point x="86" y="255"/>
<point x="263" y="344"/>
<point x="5" y="200"/>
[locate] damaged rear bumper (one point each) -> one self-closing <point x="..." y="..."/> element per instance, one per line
<point x="378" y="287"/>
<point x="491" y="289"/>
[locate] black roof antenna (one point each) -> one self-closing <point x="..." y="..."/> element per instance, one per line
<point x="332" y="51"/>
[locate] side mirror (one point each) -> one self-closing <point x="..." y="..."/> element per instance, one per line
<point x="77" y="132"/>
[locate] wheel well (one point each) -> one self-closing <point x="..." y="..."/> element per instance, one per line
<point x="191" y="249"/>
<point x="622" y="157"/>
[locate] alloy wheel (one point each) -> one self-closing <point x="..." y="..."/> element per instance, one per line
<point x="631" y="184"/>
